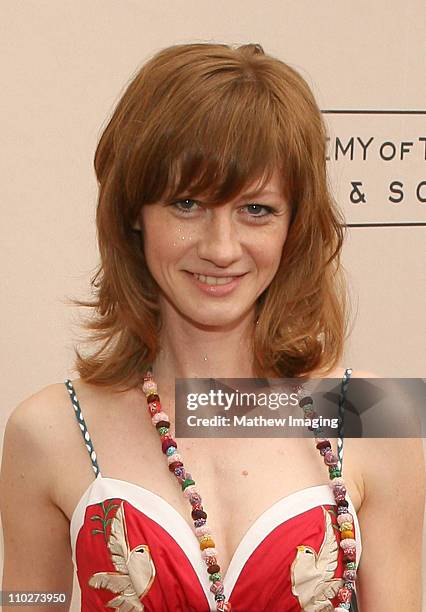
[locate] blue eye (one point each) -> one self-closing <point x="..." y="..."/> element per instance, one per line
<point x="256" y="208"/>
<point x="183" y="206"/>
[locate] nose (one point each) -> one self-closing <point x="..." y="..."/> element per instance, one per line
<point x="220" y="242"/>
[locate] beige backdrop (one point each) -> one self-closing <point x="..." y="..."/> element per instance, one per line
<point x="63" y="66"/>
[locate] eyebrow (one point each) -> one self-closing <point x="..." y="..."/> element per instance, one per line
<point x="248" y="195"/>
<point x="261" y="192"/>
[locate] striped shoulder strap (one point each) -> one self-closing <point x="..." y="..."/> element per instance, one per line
<point x="341" y="433"/>
<point x="82" y="425"/>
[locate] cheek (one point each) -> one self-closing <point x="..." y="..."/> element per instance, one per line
<point x="164" y="242"/>
<point x="268" y="251"/>
<point x="152" y="246"/>
<point x="153" y="238"/>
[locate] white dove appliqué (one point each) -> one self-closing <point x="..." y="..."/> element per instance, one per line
<point x="312" y="573"/>
<point x="135" y="569"/>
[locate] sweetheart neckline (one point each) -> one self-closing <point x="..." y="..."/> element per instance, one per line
<point x="99" y="478"/>
<point x="243" y="549"/>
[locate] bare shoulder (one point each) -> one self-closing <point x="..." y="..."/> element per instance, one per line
<point x="37" y="419"/>
<point x="27" y="469"/>
<point x="43" y="402"/>
<point x="384" y="462"/>
<point x="360" y="469"/>
<point x="32" y="431"/>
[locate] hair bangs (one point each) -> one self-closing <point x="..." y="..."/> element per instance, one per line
<point x="212" y="120"/>
<point x="231" y="142"/>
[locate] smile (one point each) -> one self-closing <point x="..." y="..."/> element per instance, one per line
<point x="214" y="280"/>
<point x="217" y="286"/>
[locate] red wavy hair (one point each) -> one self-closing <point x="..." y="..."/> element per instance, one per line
<point x="201" y="118"/>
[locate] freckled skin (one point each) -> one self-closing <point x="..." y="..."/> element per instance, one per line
<point x="216" y="240"/>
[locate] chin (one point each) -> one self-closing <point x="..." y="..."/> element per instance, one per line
<point x="220" y="319"/>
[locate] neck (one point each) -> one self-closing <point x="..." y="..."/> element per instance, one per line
<point x="190" y="350"/>
<point x="187" y="351"/>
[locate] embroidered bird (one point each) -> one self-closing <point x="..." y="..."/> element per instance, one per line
<point x="135" y="569"/>
<point x="312" y="573"/>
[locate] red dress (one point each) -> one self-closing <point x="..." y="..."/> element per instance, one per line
<point x="133" y="551"/>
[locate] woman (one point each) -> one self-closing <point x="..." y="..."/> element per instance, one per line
<point x="220" y="256"/>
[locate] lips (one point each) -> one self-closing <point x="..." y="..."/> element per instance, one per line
<point x="215" y="285"/>
<point x="214" y="280"/>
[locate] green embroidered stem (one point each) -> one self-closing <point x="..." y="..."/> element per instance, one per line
<point x="104" y="520"/>
<point x="333" y="513"/>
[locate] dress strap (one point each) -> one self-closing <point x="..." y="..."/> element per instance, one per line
<point x="342" y="398"/>
<point x="82" y="424"/>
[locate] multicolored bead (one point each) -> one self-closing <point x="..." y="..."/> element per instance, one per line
<point x="344" y="504"/>
<point x="149" y="387"/>
<point x="194" y="498"/>
<point x="198" y="514"/>
<point x="152" y="397"/>
<point x="161" y="425"/>
<point x="339" y="497"/>
<point x="189" y="489"/>
<point x="187" y="482"/>
<point x="349" y="574"/>
<point x="346" y="526"/>
<point x="154" y="408"/>
<point x="325" y="450"/>
<point x="347" y="543"/>
<point x="338" y="481"/>
<point x="349" y="554"/>
<point x="330" y="458"/>
<point x="200" y="531"/>
<point x="224" y="606"/>
<point x="320" y="440"/>
<point x="210" y="561"/>
<point x="207" y="545"/>
<point x="345" y="518"/>
<point x="159" y="416"/>
<point x="216" y="587"/>
<point x="165" y="444"/>
<point x="174" y="457"/>
<point x="179" y="471"/>
<point x="209" y="552"/>
<point x="344" y="595"/>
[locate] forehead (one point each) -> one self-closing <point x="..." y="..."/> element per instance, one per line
<point x="266" y="185"/>
<point x="270" y="184"/>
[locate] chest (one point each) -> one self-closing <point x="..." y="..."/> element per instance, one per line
<point x="239" y="480"/>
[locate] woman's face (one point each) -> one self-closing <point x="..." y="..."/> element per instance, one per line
<point x="213" y="262"/>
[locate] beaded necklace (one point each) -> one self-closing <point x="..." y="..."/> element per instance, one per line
<point x="345" y="520"/>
